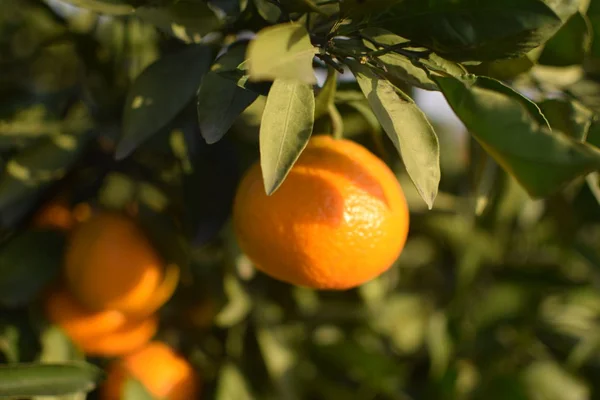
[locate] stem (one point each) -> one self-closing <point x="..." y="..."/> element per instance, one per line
<point x="337" y="123"/>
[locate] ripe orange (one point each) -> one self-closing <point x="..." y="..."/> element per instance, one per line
<point x="56" y="214"/>
<point x="339" y="219"/>
<point x="111" y="265"/>
<point x="164" y="373"/>
<point x="102" y="333"/>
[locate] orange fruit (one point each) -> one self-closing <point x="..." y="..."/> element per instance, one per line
<point x="102" y="333"/>
<point x="110" y="264"/>
<point x="164" y="373"/>
<point x="56" y="214"/>
<point x="339" y="219"/>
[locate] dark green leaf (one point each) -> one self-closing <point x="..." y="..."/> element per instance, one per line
<point x="481" y="30"/>
<point x="407" y="127"/>
<point x="540" y="160"/>
<point x="286" y="126"/>
<point x="24" y="380"/>
<point x="39" y="166"/>
<point x="220" y="102"/>
<point x="114" y="7"/>
<point x="23" y="272"/>
<point x="568" y="116"/>
<point x="282" y="51"/>
<point x="187" y="20"/>
<point x="570" y="45"/>
<point x="232" y="65"/>
<point x="160" y="93"/>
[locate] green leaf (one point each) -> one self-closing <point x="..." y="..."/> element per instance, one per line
<point x="160" y="92"/>
<point x="565" y="8"/>
<point x="286" y="126"/>
<point x="114" y="7"/>
<point x="282" y="51"/>
<point x="439" y="344"/>
<point x="326" y="96"/>
<point x="38" y="166"/>
<point x="532" y="108"/>
<point x="232" y="385"/>
<point x="187" y="20"/>
<point x="542" y="161"/>
<point x="480" y="30"/>
<point x="407" y="127"/>
<point x="268" y="11"/>
<point x="24" y="380"/>
<point x="568" y="116"/>
<point x="233" y="66"/>
<point x="570" y="45"/>
<point x="133" y="389"/>
<point x="23" y="272"/>
<point x="399" y="70"/>
<point x="220" y="102"/>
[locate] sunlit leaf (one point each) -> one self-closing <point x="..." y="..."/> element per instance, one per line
<point x="407" y="127"/>
<point x="282" y="51"/>
<point x="286" y="126"/>
<point x="540" y="160"/>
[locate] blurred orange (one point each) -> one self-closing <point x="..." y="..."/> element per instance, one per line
<point x="100" y="333"/>
<point x="111" y="265"/>
<point x="164" y="373"/>
<point x="56" y="214"/>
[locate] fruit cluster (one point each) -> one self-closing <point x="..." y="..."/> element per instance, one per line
<point x="113" y="283"/>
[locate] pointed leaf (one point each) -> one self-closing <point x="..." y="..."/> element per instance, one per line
<point x="542" y="161"/>
<point x="282" y="51"/>
<point x="286" y="126"/>
<point x="220" y="102"/>
<point x="407" y="127"/>
<point x="26" y="380"/>
<point x="568" y="116"/>
<point x="160" y="93"/>
<point x="481" y="30"/>
<point x="133" y="389"/>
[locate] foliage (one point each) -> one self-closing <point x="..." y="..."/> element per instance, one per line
<point x="164" y="103"/>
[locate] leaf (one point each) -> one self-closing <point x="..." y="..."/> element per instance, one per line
<point x="570" y="45"/>
<point x="565" y="8"/>
<point x="215" y="170"/>
<point x="268" y="11"/>
<point x="38" y="166"/>
<point x="399" y="69"/>
<point x="540" y="160"/>
<point x="439" y="344"/>
<point x="233" y="66"/>
<point x="160" y="92"/>
<point x="23" y="272"/>
<point x="220" y="102"/>
<point x="326" y="96"/>
<point x="25" y="380"/>
<point x="114" y="7"/>
<point x="407" y="127"/>
<point x="282" y="51"/>
<point x="548" y="380"/>
<point x="568" y="116"/>
<point x="232" y="385"/>
<point x="480" y="30"/>
<point x="188" y="20"/>
<point x="133" y="389"/>
<point x="286" y="126"/>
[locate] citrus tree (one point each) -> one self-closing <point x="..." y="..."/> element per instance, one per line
<point x="241" y="199"/>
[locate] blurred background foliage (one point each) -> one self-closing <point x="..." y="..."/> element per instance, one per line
<point x="496" y="296"/>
